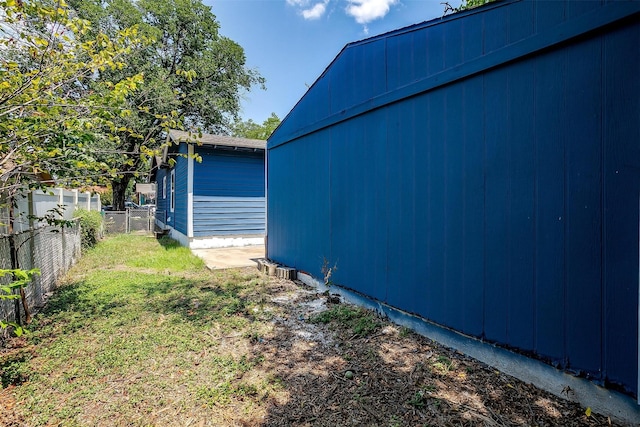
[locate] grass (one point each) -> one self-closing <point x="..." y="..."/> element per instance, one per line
<point x="136" y="326"/>
<point x="360" y="321"/>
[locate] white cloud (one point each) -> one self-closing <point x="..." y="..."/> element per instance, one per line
<point x="316" y="11"/>
<point x="308" y="9"/>
<point x="365" y="11"/>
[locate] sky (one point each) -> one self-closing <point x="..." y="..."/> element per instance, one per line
<point x="291" y="42"/>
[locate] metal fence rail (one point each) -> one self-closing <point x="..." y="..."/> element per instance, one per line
<point x="51" y="249"/>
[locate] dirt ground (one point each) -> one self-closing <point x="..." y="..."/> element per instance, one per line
<point x="393" y="377"/>
<point x="377" y="374"/>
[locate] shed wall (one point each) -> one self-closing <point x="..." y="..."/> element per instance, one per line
<point x="229" y="193"/>
<point x="503" y="204"/>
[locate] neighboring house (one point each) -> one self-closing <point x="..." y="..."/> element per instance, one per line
<point x="217" y="202"/>
<point x="480" y="171"/>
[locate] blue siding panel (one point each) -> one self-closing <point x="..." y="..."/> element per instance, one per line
<point x="496" y="30"/>
<point x="583" y="233"/>
<point x="550" y="115"/>
<point x="472" y="39"/>
<point x="483" y="172"/>
<point x="224" y="216"/>
<point x="399" y="48"/>
<point x="498" y="192"/>
<point x="521" y="25"/>
<point x="301" y="234"/>
<point x="369" y="60"/>
<point x="621" y="133"/>
<point x="356" y="205"/>
<point x="229" y="174"/>
<point x="436" y="220"/>
<point x="549" y="13"/>
<point x="399" y="175"/>
<point x="421" y="290"/>
<point x="453" y="163"/>
<point x="180" y="211"/>
<point x="521" y="218"/>
<point x="162" y="202"/>
<point x="473" y="216"/>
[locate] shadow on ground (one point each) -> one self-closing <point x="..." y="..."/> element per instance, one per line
<point x="334" y="374"/>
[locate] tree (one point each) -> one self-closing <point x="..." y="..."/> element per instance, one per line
<point x="253" y="130"/>
<point x="193" y="77"/>
<point x="464" y="5"/>
<point x="470" y="4"/>
<point x="50" y="105"/>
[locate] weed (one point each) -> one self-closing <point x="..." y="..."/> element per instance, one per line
<point x="361" y="322"/>
<point x="395" y="421"/>
<point x="405" y="332"/>
<point x="442" y="365"/>
<point x="372" y="354"/>
<point x="423" y="397"/>
<point x="14" y="369"/>
<point x="418" y="400"/>
<point x="429" y="388"/>
<point x="328" y="271"/>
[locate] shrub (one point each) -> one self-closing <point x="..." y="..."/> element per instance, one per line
<point x="90" y="227"/>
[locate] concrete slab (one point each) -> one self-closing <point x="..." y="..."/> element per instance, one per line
<point x="220" y="258"/>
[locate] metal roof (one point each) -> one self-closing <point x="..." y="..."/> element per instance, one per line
<point x="222" y="141"/>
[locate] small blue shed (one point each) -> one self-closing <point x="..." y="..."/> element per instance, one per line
<point x="212" y="192"/>
<point x="480" y="171"/>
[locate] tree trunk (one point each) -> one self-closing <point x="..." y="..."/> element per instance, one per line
<point x="15" y="265"/>
<point x="119" y="188"/>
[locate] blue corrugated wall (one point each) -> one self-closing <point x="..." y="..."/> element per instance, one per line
<point x="482" y="171"/>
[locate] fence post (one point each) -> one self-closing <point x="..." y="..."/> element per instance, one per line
<point x="60" y="196"/>
<point x="32" y="236"/>
<point x="75" y="199"/>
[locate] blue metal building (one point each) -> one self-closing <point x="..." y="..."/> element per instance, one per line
<point x="481" y="171"/>
<point x="216" y="202"/>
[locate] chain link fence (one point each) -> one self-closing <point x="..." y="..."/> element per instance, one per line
<point x="129" y="221"/>
<point x="51" y="249"/>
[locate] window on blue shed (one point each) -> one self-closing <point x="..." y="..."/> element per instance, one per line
<point x="164" y="187"/>
<point x="173" y="190"/>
